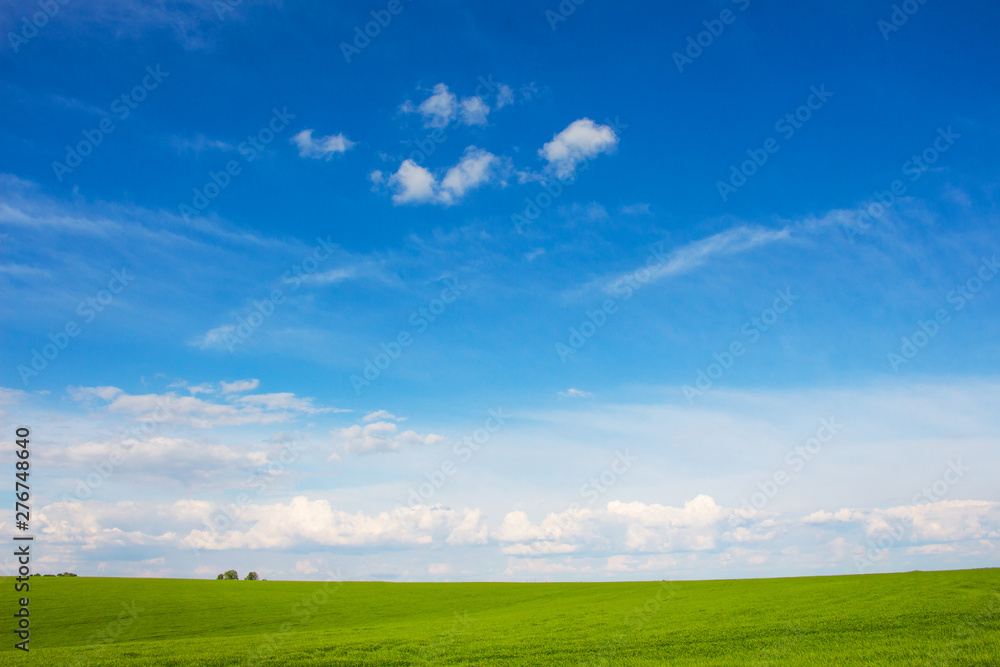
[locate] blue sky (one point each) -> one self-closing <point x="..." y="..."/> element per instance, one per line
<point x="502" y="292"/>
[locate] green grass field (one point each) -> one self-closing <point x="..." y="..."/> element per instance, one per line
<point x="917" y="618"/>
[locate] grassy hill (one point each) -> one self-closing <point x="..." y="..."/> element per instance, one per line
<point x="917" y="618"/>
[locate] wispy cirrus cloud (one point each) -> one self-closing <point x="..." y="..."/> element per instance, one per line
<point x="169" y="408"/>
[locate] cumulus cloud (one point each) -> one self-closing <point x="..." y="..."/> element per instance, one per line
<point x="621" y="527"/>
<point x="443" y="107"/>
<point x="186" y="524"/>
<point x="438" y="110"/>
<point x="937" y="522"/>
<point x="378" y="436"/>
<point x="239" y="386"/>
<point x="414" y="184"/>
<point x="381" y="415"/>
<point x="474" y="111"/>
<point x="582" y="140"/>
<point x="304" y="521"/>
<point x="320" y="147"/>
<point x="475" y="168"/>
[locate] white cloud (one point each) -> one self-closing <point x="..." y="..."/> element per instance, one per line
<point x="25" y="272"/>
<point x="688" y="257"/>
<point x="163" y="452"/>
<point x="475" y="168"/>
<point x="321" y="147"/>
<point x="575" y="393"/>
<point x="216" y="337"/>
<point x="285" y="401"/>
<point x="438" y="110"/>
<point x="330" y="277"/>
<point x="200" y="143"/>
<point x="305" y="567"/>
<point x="414" y="184"/>
<point x="581" y="140"/>
<point x="186" y="524"/>
<point x="443" y="107"/>
<point x="505" y="96"/>
<point x="623" y="527"/>
<point x="90" y="393"/>
<point x="381" y="415"/>
<point x="380" y="436"/>
<point x="189" y="410"/>
<point x="942" y="521"/>
<point x="239" y="386"/>
<point x="474" y="111"/>
<point x="304" y="521"/>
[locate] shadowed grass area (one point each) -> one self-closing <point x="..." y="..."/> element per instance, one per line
<point x="916" y="618"/>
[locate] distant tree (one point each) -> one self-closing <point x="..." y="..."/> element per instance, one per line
<point x="220" y="577"/>
<point x="252" y="577"/>
<point x="231" y="575"/>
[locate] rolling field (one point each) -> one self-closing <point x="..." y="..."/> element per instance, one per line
<point x="917" y="618"/>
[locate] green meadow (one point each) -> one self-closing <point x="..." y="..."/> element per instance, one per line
<point x="916" y="618"/>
